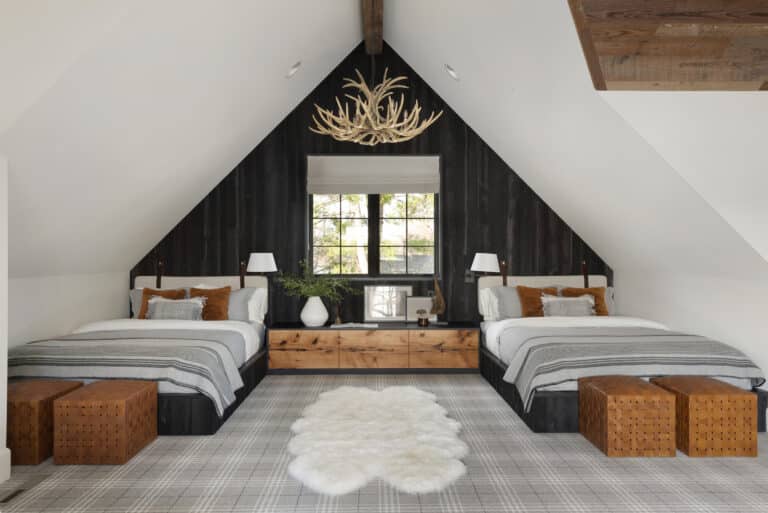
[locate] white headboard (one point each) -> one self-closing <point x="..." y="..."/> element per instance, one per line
<point x="571" y="280"/>
<point x="180" y="282"/>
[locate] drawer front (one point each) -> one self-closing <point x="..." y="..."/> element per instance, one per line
<point x="303" y="349"/>
<point x="373" y="349"/>
<point x="448" y="349"/>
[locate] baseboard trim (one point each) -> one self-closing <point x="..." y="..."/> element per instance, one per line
<point x="5" y="464"/>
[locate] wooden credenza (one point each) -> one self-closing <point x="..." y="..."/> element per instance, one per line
<point x="386" y="347"/>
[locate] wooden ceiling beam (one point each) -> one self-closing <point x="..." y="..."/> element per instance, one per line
<point x="587" y="44"/>
<point x="677" y="11"/>
<point x="373" y="25"/>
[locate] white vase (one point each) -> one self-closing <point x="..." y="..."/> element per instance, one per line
<point x="314" y="313"/>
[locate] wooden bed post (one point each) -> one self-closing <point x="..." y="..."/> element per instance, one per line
<point x="242" y="274"/>
<point x="160" y="270"/>
<point x="585" y="272"/>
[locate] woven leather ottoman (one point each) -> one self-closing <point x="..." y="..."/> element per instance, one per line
<point x="713" y="418"/>
<point x="627" y="416"/>
<point x="30" y="418"/>
<point x="104" y="423"/>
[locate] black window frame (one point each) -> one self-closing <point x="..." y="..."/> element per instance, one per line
<point x="374" y="238"/>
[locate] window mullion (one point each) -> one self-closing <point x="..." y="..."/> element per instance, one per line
<point x="374" y="235"/>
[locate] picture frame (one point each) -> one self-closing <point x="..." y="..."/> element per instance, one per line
<point x="386" y="303"/>
<point x="415" y="303"/>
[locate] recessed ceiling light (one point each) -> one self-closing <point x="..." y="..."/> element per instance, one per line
<point x="293" y="70"/>
<point x="452" y="72"/>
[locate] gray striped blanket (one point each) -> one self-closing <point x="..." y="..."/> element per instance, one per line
<point x="203" y="360"/>
<point x="544" y="356"/>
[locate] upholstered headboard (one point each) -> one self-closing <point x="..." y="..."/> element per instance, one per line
<point x="572" y="280"/>
<point x="179" y="282"/>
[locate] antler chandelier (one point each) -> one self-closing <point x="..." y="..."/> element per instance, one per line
<point x="376" y="117"/>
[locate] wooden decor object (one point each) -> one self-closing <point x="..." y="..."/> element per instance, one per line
<point x="713" y="418"/>
<point x="104" y="423"/>
<point x="375" y="349"/>
<point x="443" y="349"/>
<point x="303" y="349"/>
<point x="30" y="418"/>
<point x="627" y="416"/>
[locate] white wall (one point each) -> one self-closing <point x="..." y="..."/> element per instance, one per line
<point x="5" y="455"/>
<point x="46" y="306"/>
<point x="729" y="309"/>
<point x="715" y="141"/>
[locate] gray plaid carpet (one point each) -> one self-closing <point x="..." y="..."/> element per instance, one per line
<point x="243" y="467"/>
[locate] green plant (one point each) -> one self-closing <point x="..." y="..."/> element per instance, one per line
<point x="307" y="284"/>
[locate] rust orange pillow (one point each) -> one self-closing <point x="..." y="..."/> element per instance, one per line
<point x="216" y="304"/>
<point x="530" y="300"/>
<point x="146" y="294"/>
<point x="601" y="307"/>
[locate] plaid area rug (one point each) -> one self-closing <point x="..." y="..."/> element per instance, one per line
<point x="244" y="467"/>
<point x="353" y="435"/>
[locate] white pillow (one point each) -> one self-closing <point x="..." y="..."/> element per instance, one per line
<point x="489" y="305"/>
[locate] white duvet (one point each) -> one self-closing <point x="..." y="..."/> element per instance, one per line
<point x="252" y="332"/>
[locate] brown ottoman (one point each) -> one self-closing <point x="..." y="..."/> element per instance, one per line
<point x="30" y="418"/>
<point x="713" y="418"/>
<point x="627" y="416"/>
<point x="104" y="423"/>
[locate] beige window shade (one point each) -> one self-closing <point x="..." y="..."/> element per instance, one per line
<point x="331" y="174"/>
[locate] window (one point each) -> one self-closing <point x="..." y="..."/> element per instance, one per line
<point x="340" y="233"/>
<point x="407" y="235"/>
<point x="374" y="235"/>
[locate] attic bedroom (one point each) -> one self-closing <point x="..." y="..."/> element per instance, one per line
<point x="380" y="255"/>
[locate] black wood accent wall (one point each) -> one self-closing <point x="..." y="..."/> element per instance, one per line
<point x="262" y="205"/>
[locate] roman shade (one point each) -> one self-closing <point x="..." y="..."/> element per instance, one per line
<point x="372" y="174"/>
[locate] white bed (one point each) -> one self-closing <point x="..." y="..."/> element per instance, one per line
<point x="492" y="330"/>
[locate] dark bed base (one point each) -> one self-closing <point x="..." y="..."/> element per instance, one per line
<point x="194" y="414"/>
<point x="558" y="412"/>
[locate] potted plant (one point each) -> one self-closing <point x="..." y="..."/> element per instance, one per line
<point x="314" y="287"/>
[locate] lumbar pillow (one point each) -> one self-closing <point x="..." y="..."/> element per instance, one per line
<point x="581" y="306"/>
<point x="147" y="294"/>
<point x="601" y="308"/>
<point x="217" y="302"/>
<point x="183" y="309"/>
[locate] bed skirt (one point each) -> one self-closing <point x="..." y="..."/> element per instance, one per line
<point x="195" y="414"/>
<point x="558" y="411"/>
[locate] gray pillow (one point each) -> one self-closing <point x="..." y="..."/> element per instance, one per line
<point x="238" y="304"/>
<point x="509" y="302"/>
<point x="181" y="309"/>
<point x="582" y="306"/>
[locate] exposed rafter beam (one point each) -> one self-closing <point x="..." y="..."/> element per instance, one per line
<point x="373" y="25"/>
<point x="678" y="11"/>
<point x="587" y="44"/>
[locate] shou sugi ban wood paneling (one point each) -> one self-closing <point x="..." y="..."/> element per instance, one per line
<point x="262" y="205"/>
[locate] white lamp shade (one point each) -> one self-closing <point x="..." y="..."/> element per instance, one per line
<point x="485" y="262"/>
<point x="261" y="263"/>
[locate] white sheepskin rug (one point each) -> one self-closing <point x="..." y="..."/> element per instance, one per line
<point x="352" y="435"/>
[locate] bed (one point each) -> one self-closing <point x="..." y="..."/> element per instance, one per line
<point x="204" y="369"/>
<point x="534" y="362"/>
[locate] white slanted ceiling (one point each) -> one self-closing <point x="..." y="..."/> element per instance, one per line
<point x="137" y="109"/>
<point x="143" y="122"/>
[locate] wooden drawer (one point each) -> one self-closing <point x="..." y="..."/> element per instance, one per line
<point x="303" y="349"/>
<point x="446" y="349"/>
<point x="373" y="349"/>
